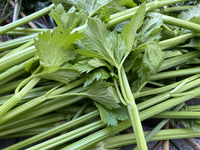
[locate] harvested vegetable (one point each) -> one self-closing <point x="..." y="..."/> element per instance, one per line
<point x="107" y="66"/>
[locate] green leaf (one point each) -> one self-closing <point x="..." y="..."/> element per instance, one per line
<point x="32" y="65"/>
<point x="191" y="15"/>
<point x="62" y="75"/>
<point x="194" y="43"/>
<point x="151" y="62"/>
<point x="99" y="43"/>
<point x="55" y="49"/>
<point x="111" y="117"/>
<point x="93" y="7"/>
<point x="66" y="3"/>
<point x="68" y="20"/>
<point x="191" y="124"/>
<point x="84" y="66"/>
<point x="133" y="59"/>
<point x="104" y="15"/>
<point x="99" y="74"/>
<point x="150" y="31"/>
<point x="104" y="93"/>
<point x="130" y="29"/>
<point x="127" y="3"/>
<point x="118" y="45"/>
<point x="96" y="62"/>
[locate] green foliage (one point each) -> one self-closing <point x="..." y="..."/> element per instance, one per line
<point x="130" y="29"/>
<point x="54" y="49"/>
<point x="149" y="32"/>
<point x="99" y="74"/>
<point x="149" y="64"/>
<point x="98" y="42"/>
<point x="194" y="43"/>
<point x="92" y="7"/>
<point x="111" y="117"/>
<point x="67" y="20"/>
<point x="127" y="3"/>
<point x="191" y="15"/>
<point x="104" y="93"/>
<point x="84" y="66"/>
<point x="62" y="75"/>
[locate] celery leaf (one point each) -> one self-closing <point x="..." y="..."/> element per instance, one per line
<point x="151" y="61"/>
<point x="84" y="66"/>
<point x="67" y="20"/>
<point x="150" y="31"/>
<point x="194" y="43"/>
<point x="111" y="117"/>
<point x="92" y="7"/>
<point x="99" y="74"/>
<point x="98" y="42"/>
<point x="191" y="15"/>
<point x="130" y="29"/>
<point x="62" y="75"/>
<point x="104" y="93"/>
<point x="55" y="49"/>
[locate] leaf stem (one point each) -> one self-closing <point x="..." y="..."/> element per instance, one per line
<point x="133" y="111"/>
<point x="128" y="139"/>
<point x="55" y="118"/>
<point x="17" y="58"/>
<point x="165" y="88"/>
<point x="27" y="19"/>
<point x="55" y="130"/>
<point x="176" y="73"/>
<point x="127" y="14"/>
<point x="159" y="126"/>
<point x="17" y="97"/>
<point x="12" y="73"/>
<point x="24" y="107"/>
<point x="171" y="62"/>
<point x="69" y="136"/>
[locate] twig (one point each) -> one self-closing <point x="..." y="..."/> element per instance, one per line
<point x="1" y="39"/>
<point x="156" y="146"/>
<point x="190" y="141"/>
<point x="165" y="143"/>
<point x="31" y="24"/>
<point x="15" y="10"/>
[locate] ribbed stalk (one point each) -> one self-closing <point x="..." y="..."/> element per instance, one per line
<point x="69" y="136"/>
<point x="128" y="139"/>
<point x="17" y="97"/>
<point x="176" y="73"/>
<point x="54" y="131"/>
<point x="24" y="107"/>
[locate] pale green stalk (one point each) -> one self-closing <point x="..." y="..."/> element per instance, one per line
<point x="69" y="136"/>
<point x="175" y="61"/>
<point x="17" y="42"/>
<point x="85" y="143"/>
<point x="12" y="73"/>
<point x="159" y="126"/>
<point x="178" y="115"/>
<point x="55" y="130"/>
<point x="128" y="139"/>
<point x="40" y="110"/>
<point x="55" y="118"/>
<point x="165" y="88"/>
<point x="15" y="59"/>
<point x="173" y="9"/>
<point x="9" y="87"/>
<point x="176" y="73"/>
<point x="127" y="14"/>
<point x="26" y="106"/>
<point x="17" y="97"/>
